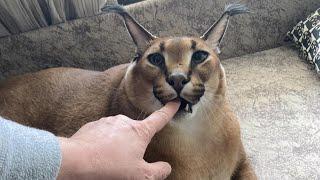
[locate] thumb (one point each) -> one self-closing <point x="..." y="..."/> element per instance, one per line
<point x="159" y="170"/>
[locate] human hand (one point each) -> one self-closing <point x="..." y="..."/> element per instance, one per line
<point x="113" y="148"/>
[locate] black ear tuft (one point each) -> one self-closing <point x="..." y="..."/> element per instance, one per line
<point x="216" y="32"/>
<point x="140" y="36"/>
<point x="234" y="9"/>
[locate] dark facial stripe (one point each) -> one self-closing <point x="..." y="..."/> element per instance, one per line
<point x="162" y="46"/>
<point x="193" y="44"/>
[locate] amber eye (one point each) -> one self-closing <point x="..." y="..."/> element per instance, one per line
<point x="156" y="59"/>
<point x="199" y="56"/>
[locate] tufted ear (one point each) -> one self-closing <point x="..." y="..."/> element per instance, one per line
<point x="215" y="33"/>
<point x="138" y="33"/>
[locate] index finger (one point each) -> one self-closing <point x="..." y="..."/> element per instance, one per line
<point x="157" y="120"/>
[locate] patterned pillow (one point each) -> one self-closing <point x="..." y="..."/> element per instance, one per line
<point x="306" y="35"/>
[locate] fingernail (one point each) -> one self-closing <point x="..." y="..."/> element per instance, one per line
<point x="177" y="100"/>
<point x="174" y="102"/>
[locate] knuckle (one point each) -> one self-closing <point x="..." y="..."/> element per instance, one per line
<point x="120" y="116"/>
<point x="163" y="114"/>
<point x="106" y="120"/>
<point x="165" y="171"/>
<point x="141" y="130"/>
<point x="90" y="124"/>
<point x="123" y="118"/>
<point x="147" y="174"/>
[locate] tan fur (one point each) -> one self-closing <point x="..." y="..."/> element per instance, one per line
<point x="203" y="145"/>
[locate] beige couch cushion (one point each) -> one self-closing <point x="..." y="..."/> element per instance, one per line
<point x="277" y="99"/>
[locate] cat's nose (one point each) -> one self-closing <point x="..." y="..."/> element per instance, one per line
<point x="177" y="81"/>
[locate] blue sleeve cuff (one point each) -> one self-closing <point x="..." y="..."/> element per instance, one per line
<point x="27" y="153"/>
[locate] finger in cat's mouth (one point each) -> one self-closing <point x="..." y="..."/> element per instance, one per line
<point x="185" y="105"/>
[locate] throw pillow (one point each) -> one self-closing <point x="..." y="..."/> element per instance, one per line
<point x="306" y="35"/>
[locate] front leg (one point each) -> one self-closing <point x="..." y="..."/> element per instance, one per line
<point x="244" y="171"/>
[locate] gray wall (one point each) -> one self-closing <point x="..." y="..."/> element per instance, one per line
<point x="102" y="41"/>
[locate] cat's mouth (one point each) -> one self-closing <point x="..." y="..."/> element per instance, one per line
<point x="185" y="105"/>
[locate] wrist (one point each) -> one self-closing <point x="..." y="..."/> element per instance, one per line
<point x="73" y="165"/>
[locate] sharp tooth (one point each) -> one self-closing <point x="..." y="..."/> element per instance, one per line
<point x="190" y="108"/>
<point x="186" y="108"/>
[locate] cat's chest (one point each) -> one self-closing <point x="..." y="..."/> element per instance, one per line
<point x="193" y="129"/>
<point x="191" y="137"/>
<point x="191" y="146"/>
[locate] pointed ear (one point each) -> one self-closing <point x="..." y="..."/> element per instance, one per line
<point x="215" y="33"/>
<point x="138" y="33"/>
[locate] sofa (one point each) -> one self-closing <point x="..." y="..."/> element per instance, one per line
<point x="272" y="90"/>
